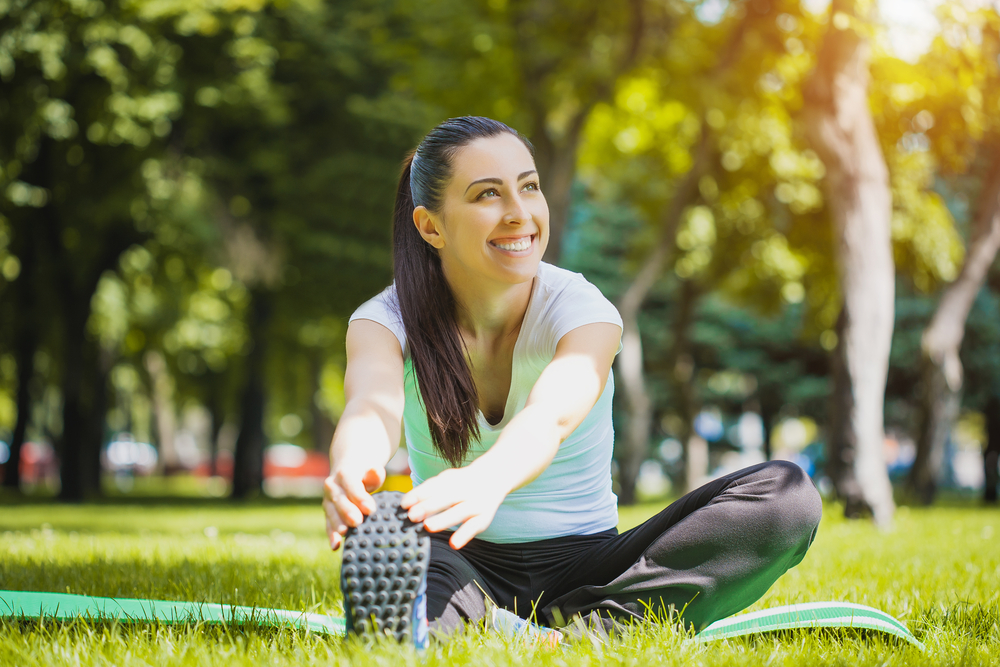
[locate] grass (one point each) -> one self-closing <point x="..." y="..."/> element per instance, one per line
<point x="938" y="571"/>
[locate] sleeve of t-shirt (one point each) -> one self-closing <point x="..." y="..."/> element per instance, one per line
<point x="579" y="303"/>
<point x="382" y="308"/>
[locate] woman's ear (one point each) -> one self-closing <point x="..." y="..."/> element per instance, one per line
<point x="428" y="225"/>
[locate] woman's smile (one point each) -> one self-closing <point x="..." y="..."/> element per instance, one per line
<point x="515" y="246"/>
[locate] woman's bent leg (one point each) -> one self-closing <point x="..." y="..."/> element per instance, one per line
<point x="709" y="555"/>
<point x="455" y="589"/>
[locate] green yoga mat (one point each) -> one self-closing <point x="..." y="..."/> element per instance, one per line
<point x="65" y="607"/>
<point x="808" y="615"/>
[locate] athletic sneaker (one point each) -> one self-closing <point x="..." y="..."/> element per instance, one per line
<point x="383" y="575"/>
<point x="511" y="625"/>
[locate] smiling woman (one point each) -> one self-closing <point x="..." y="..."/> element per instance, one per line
<point x="498" y="366"/>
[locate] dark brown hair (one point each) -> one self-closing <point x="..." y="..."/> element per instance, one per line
<point x="426" y="302"/>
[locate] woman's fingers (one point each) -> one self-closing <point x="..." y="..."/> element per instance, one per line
<point x="437" y="504"/>
<point x="373" y="479"/>
<point x="349" y="496"/>
<point x="346" y="500"/>
<point x="468" y="530"/>
<point x="437" y="494"/>
<point x="354" y="490"/>
<point x="334" y="524"/>
<point x="450" y="517"/>
<point x="422" y="492"/>
<point x="331" y="532"/>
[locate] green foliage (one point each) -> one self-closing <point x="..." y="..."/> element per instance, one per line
<point x="163" y="161"/>
<point x="183" y="154"/>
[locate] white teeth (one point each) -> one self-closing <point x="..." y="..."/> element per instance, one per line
<point x="516" y="246"/>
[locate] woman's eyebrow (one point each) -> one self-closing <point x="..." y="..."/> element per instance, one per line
<point x="484" y="180"/>
<point x="498" y="181"/>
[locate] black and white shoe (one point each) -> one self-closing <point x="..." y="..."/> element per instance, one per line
<point x="383" y="575"/>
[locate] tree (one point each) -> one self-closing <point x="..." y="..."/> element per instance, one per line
<point x="975" y="66"/>
<point x="838" y="122"/>
<point x="85" y="100"/>
<point x="112" y="118"/>
<point x="707" y="124"/>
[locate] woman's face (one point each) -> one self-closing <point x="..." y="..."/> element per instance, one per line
<point x="494" y="221"/>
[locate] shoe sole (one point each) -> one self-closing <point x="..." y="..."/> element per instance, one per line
<point x="384" y="564"/>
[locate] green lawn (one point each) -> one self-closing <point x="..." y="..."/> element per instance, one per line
<point x="938" y="572"/>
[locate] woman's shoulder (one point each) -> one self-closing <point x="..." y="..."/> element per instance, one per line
<point x="567" y="300"/>
<point x="554" y="279"/>
<point x="556" y="283"/>
<point x="384" y="309"/>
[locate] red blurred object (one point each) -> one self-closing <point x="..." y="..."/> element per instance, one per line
<point x="223" y="466"/>
<point x="282" y="460"/>
<point x="313" y="464"/>
<point x="39" y="464"/>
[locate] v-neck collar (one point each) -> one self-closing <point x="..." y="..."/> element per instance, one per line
<point x="508" y="407"/>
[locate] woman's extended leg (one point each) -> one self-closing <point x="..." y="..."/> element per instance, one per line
<point x="711" y="554"/>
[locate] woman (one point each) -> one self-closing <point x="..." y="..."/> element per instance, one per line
<point x="499" y="367"/>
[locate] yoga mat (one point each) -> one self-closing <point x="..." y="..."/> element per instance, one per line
<point x="66" y="607"/>
<point x="808" y="615"/>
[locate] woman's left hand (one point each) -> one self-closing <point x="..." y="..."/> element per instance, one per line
<point x="465" y="496"/>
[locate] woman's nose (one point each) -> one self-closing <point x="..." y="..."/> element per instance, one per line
<point x="517" y="212"/>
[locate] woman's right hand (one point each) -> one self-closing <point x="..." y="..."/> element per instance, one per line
<point x="347" y="498"/>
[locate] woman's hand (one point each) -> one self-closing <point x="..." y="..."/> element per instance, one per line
<point x="347" y="498"/>
<point x="467" y="496"/>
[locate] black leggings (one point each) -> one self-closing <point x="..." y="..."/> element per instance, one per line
<point x="711" y="554"/>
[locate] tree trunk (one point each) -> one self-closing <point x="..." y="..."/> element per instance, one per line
<point x="630" y="363"/>
<point x="161" y="389"/>
<point x="838" y="123"/>
<point x="84" y="407"/>
<point x="638" y="406"/>
<point x="942" y="340"/>
<point x="770" y="407"/>
<point x="559" y="167"/>
<point x="683" y="377"/>
<point x="248" y="459"/>
<point x="25" y="346"/>
<point x="218" y="417"/>
<point x="991" y="457"/>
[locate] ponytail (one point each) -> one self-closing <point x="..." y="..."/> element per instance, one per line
<point x="427" y="305"/>
<point x="427" y="309"/>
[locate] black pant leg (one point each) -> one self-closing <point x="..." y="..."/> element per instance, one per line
<point x="455" y="589"/>
<point x="711" y="554"/>
<point x="459" y="581"/>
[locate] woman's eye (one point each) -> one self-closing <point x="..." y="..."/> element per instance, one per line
<point x="490" y="192"/>
<point x="531" y="186"/>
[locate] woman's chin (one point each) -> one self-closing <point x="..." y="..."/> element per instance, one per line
<point x="520" y="271"/>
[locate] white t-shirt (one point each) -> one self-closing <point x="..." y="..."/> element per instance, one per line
<point x="573" y="495"/>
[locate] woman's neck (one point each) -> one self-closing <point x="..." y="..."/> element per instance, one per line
<point x="490" y="311"/>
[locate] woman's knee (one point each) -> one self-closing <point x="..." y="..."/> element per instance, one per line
<point x="796" y="499"/>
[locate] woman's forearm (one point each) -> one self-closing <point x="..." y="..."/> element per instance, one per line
<point x="365" y="434"/>
<point x="560" y="400"/>
<point x="524" y="449"/>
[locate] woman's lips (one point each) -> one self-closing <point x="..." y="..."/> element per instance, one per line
<point x="515" y="245"/>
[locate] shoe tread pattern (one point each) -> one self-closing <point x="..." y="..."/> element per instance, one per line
<point x="385" y="560"/>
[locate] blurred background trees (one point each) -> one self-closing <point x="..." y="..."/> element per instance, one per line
<point x="194" y="197"/>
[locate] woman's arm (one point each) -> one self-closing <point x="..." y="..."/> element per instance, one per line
<point x="563" y="395"/>
<point x="367" y="434"/>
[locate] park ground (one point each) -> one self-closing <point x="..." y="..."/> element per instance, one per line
<point x="938" y="571"/>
